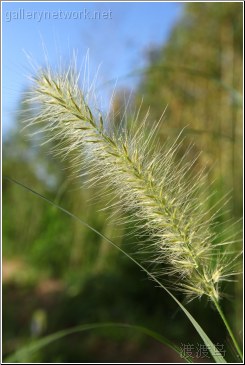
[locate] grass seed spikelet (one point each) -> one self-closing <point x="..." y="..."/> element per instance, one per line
<point x="150" y="184"/>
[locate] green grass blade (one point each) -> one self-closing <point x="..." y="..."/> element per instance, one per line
<point x="23" y="353"/>
<point x="210" y="346"/>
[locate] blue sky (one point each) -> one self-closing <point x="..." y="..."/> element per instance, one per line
<point x="118" y="41"/>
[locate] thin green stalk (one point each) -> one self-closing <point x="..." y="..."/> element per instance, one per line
<point x="216" y="303"/>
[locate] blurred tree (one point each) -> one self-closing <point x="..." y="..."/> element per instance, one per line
<point x="198" y="74"/>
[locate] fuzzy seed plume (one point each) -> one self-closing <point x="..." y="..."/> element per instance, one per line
<point x="147" y="182"/>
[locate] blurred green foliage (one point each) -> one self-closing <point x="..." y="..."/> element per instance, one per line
<point x="198" y="76"/>
<point x="55" y="266"/>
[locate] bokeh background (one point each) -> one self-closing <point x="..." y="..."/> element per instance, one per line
<point x="57" y="273"/>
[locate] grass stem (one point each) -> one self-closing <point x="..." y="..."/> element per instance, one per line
<point x="216" y="303"/>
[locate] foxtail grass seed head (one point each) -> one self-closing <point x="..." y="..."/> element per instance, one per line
<point x="150" y="184"/>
